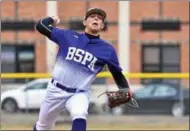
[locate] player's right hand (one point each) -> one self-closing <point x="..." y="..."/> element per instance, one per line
<point x="56" y="20"/>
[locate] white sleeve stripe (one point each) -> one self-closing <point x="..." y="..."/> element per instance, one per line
<point x="44" y="26"/>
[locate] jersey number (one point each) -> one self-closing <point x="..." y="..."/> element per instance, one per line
<point x="81" y="56"/>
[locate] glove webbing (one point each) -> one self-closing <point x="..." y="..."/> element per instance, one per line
<point x="118" y="98"/>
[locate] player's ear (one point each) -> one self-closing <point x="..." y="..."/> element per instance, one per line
<point x="84" y="22"/>
<point x="102" y="27"/>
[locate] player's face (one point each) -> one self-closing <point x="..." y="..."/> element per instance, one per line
<point x="94" y="23"/>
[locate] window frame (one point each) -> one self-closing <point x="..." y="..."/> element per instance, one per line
<point x="19" y="47"/>
<point x="160" y="65"/>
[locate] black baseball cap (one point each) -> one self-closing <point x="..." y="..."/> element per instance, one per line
<point x="96" y="11"/>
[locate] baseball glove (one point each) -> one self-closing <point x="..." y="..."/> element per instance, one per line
<point x="117" y="98"/>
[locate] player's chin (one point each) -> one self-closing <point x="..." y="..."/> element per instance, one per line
<point x="95" y="30"/>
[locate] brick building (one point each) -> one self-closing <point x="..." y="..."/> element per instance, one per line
<point x="166" y="51"/>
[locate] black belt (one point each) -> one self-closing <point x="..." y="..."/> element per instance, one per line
<point x="70" y="90"/>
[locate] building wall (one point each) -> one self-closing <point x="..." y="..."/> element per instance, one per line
<point x="138" y="10"/>
<point x="35" y="11"/>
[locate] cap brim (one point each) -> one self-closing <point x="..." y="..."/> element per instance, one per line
<point x="96" y="11"/>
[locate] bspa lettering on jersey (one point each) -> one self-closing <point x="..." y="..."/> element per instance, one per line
<point x="81" y="56"/>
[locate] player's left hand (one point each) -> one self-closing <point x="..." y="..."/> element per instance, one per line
<point x="117" y="98"/>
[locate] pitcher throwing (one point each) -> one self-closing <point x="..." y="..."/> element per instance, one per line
<point x="81" y="56"/>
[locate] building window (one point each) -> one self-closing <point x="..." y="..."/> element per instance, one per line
<point x="8" y="60"/>
<point x="25" y="59"/>
<point x="160" y="58"/>
<point x="17" y="58"/>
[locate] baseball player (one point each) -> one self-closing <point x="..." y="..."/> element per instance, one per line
<point x="81" y="56"/>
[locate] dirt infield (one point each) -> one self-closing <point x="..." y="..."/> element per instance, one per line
<point x="109" y="127"/>
<point x="25" y="122"/>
